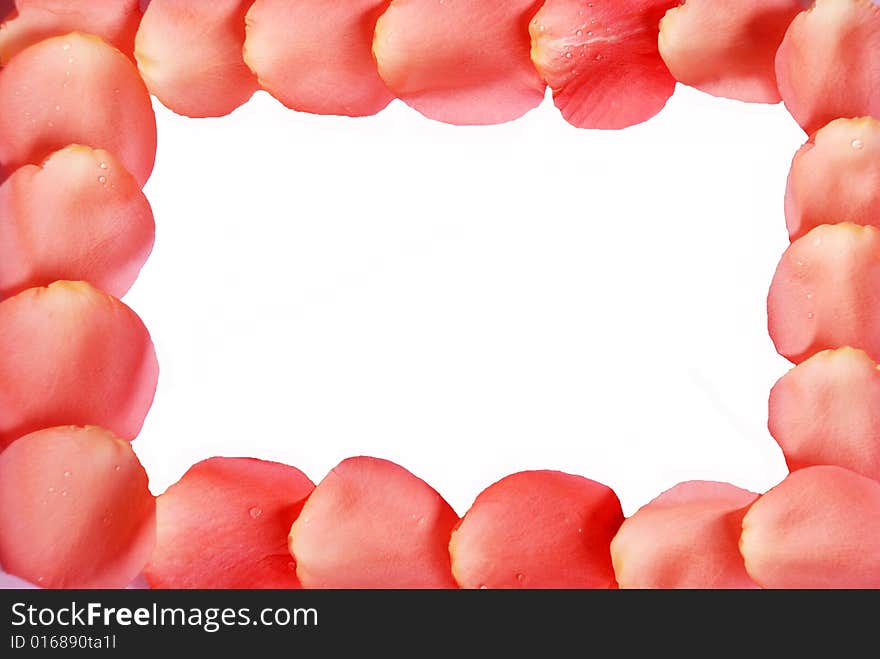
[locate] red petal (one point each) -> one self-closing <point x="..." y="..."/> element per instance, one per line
<point x="73" y="355"/>
<point x="601" y="60"/>
<point x="827" y="411"/>
<point x="728" y="47"/>
<point x="461" y="61"/>
<point x="115" y="21"/>
<point x="820" y="528"/>
<point x="685" y="538"/>
<point x="75" y="510"/>
<point x="54" y="216"/>
<point x="538" y="529"/>
<point x="315" y="56"/>
<point x="826" y="293"/>
<point x="103" y="104"/>
<point x="225" y="525"/>
<point x="372" y="524"/>
<point x="835" y="177"/>
<point x="827" y="65"/>
<point x="190" y="55"/>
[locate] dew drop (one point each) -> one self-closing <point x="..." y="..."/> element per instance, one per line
<point x="117" y="467"/>
<point x="520" y="577"/>
<point x="67" y="474"/>
<point x="70" y="60"/>
<point x="579" y="33"/>
<point x="810" y="315"/>
<point x="65" y="46"/>
<point x="103" y="165"/>
<point x="858" y="145"/>
<point x="291" y="565"/>
<point x="484" y="587"/>
<point x="51" y="489"/>
<point x="64" y="493"/>
<point x="57" y="108"/>
<point x="255" y="512"/>
<point x="102" y="179"/>
<point x="809" y="296"/>
<point x="567" y="55"/>
<point x="39" y="579"/>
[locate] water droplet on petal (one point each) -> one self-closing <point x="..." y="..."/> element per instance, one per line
<point x="65" y="46"/>
<point x="255" y="512"/>
<point x="67" y="474"/>
<point x="102" y="179"/>
<point x="858" y="145"/>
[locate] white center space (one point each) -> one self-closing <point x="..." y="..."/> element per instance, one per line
<point x="469" y="302"/>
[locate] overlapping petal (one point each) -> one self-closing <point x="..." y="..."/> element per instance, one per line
<point x="316" y="56"/>
<point x="728" y="47"/>
<point x="372" y="524"/>
<point x="73" y="355"/>
<point x="685" y="538"/>
<point x="538" y="529"/>
<point x="835" y="177"/>
<point x="828" y="65"/>
<point x="819" y="528"/>
<point x="78" y="216"/>
<point x="826" y="411"/>
<point x="75" y="510"/>
<point x="826" y="293"/>
<point x="460" y="61"/>
<point x="75" y="89"/>
<point x="242" y="509"/>
<point x="601" y="60"/>
<point x="115" y="21"/>
<point x="190" y="55"/>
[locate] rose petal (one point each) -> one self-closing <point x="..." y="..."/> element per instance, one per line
<point x="80" y="216"/>
<point x="601" y="60"/>
<point x="827" y="65"/>
<point x="315" y="56"/>
<point x="728" y="47"/>
<point x="538" y="529"/>
<point x="462" y="61"/>
<point x="115" y="21"/>
<point x="827" y="411"/>
<point x="826" y="293"/>
<point x="73" y="356"/>
<point x="75" y="510"/>
<point x="820" y="528"/>
<point x="102" y="103"/>
<point x="835" y="177"/>
<point x="240" y="543"/>
<point x="190" y="55"/>
<point x="372" y="524"/>
<point x="685" y="538"/>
